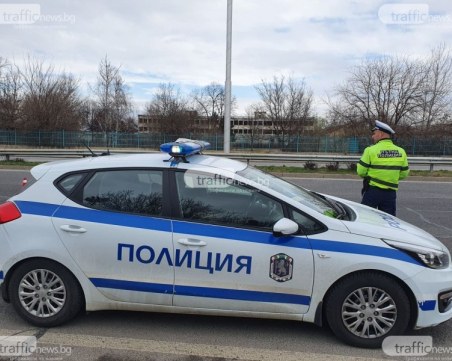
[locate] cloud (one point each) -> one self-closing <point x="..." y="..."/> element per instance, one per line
<point x="183" y="42"/>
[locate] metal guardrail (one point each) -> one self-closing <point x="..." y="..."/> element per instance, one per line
<point x="284" y="158"/>
<point x="430" y="162"/>
<point x="11" y="153"/>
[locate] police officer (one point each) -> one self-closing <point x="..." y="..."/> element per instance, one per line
<point x="382" y="165"/>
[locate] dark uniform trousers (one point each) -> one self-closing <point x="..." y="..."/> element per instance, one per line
<point x="382" y="199"/>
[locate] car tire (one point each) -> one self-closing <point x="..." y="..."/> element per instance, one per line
<point x="45" y="293"/>
<point x="364" y="308"/>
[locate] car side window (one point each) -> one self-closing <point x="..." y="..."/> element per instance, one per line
<point x="68" y="183"/>
<point x="216" y="199"/>
<point x="307" y="224"/>
<point x="130" y="191"/>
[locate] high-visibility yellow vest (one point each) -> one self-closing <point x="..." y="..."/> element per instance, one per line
<point x="384" y="164"/>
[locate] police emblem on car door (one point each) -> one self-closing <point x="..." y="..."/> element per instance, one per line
<point x="281" y="267"/>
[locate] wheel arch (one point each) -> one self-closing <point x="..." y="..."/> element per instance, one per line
<point x="321" y="320"/>
<point x="7" y="279"/>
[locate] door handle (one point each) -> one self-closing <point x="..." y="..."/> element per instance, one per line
<point x="72" y="228"/>
<point x="191" y="242"/>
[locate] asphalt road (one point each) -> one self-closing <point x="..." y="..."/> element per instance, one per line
<point x="146" y="336"/>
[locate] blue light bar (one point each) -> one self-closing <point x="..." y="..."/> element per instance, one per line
<point x="184" y="147"/>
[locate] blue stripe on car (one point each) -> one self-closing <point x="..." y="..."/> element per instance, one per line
<point x="132" y="286"/>
<point x="246" y="235"/>
<point x="242" y="295"/>
<point x="1" y="275"/>
<point x="207" y="230"/>
<point x="354" y="248"/>
<point x="219" y="293"/>
<point x="37" y="208"/>
<point x="96" y="216"/>
<point x="428" y="305"/>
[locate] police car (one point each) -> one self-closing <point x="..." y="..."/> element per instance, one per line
<point x="179" y="231"/>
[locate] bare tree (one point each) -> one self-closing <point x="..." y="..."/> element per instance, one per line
<point x="104" y="93"/>
<point x="299" y="105"/>
<point x="112" y="103"/>
<point x="169" y="109"/>
<point x="386" y="88"/>
<point x="437" y="87"/>
<point x="10" y="95"/>
<point x="399" y="91"/>
<point x="122" y="106"/>
<point x="50" y="101"/>
<point x="91" y="116"/>
<point x="288" y="104"/>
<point x="255" y="124"/>
<point x="129" y="125"/>
<point x="209" y="102"/>
<point x="344" y="115"/>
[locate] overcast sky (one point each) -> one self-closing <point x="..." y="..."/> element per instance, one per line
<point x="184" y="41"/>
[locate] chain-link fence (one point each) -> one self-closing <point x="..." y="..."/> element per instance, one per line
<point x="297" y="144"/>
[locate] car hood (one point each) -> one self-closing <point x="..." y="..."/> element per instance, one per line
<point x="374" y="223"/>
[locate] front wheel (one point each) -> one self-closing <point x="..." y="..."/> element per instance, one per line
<point x="363" y="309"/>
<point x="45" y="293"/>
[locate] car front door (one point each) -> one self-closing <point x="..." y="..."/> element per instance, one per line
<point x="113" y="227"/>
<point x="226" y="256"/>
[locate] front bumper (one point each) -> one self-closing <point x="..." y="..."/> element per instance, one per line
<point x="427" y="287"/>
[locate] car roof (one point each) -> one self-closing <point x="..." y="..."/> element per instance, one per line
<point x="160" y="160"/>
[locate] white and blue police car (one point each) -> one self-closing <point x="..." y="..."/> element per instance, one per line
<point x="179" y="231"/>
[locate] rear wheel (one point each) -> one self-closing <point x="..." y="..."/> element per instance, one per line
<point x="45" y="293"/>
<point x="364" y="308"/>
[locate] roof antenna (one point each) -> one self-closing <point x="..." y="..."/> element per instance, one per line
<point x="92" y="153"/>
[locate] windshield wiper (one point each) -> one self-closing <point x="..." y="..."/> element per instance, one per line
<point x="337" y="207"/>
<point x="342" y="212"/>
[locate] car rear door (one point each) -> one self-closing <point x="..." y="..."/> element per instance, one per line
<point x="113" y="227"/>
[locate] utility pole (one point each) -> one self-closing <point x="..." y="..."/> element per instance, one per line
<point x="227" y="88"/>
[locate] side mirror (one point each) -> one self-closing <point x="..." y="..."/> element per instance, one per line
<point x="285" y="227"/>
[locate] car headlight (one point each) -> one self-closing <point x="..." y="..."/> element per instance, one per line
<point x="429" y="257"/>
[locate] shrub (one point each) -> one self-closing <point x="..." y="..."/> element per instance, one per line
<point x="334" y="166"/>
<point x="310" y="165"/>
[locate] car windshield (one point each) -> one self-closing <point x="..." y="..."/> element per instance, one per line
<point x="299" y="194"/>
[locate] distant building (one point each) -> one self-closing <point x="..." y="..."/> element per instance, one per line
<point x="243" y="128"/>
<point x="197" y="124"/>
<point x="146" y="124"/>
<point x="257" y="126"/>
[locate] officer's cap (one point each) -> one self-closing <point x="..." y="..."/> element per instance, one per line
<point x="383" y="127"/>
